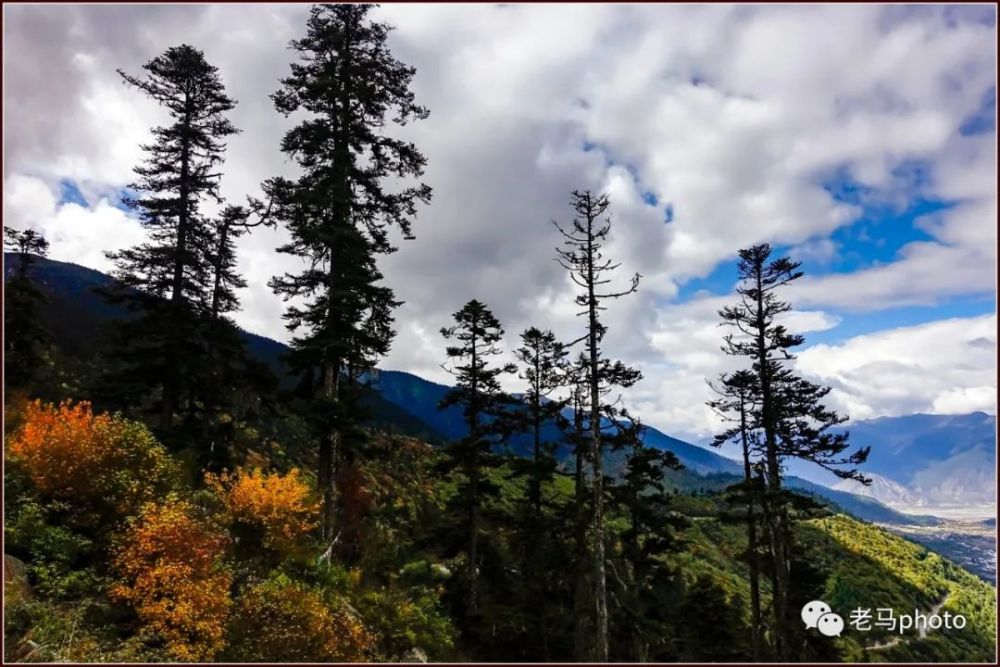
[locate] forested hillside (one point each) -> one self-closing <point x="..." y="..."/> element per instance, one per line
<point x="73" y="523"/>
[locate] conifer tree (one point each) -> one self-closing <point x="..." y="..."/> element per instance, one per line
<point x="24" y="334"/>
<point x="792" y="419"/>
<point x="477" y="335"/>
<point x="544" y="369"/>
<point x="735" y="405"/>
<point x="581" y="256"/>
<point x="576" y="436"/>
<point x="641" y="497"/>
<point x="339" y="211"/>
<point x="167" y="279"/>
<point x="234" y="388"/>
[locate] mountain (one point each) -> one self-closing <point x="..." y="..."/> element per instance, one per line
<point x="862" y="507"/>
<point x="881" y="488"/>
<point x="77" y="318"/>
<point x="868" y="567"/>
<point x="420" y="398"/>
<point x="402" y="401"/>
<point x="925" y="460"/>
<point x="941" y="459"/>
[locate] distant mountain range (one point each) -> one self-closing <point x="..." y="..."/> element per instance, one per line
<point x="929" y="460"/>
<point x="914" y="457"/>
<point x="881" y="488"/>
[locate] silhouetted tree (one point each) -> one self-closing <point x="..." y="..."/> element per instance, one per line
<point x="791" y="417"/>
<point x="735" y="405"/>
<point x="477" y="334"/>
<point x="338" y="212"/>
<point x="168" y="278"/>
<point x="25" y="337"/>
<point x="642" y="498"/>
<point x="581" y="255"/>
<point x="234" y="387"/>
<point x="544" y="368"/>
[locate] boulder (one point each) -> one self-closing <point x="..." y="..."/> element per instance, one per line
<point x="414" y="655"/>
<point x="15" y="578"/>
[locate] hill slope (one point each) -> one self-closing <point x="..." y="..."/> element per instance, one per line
<point x="77" y="317"/>
<point x="402" y="402"/>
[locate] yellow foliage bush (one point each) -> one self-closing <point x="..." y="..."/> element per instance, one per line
<point x="286" y="621"/>
<point x="169" y="567"/>
<point x="281" y="506"/>
<point x="70" y="453"/>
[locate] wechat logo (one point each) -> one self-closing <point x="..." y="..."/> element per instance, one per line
<point x="817" y="614"/>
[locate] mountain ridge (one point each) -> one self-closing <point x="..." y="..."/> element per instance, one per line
<point x="401" y="399"/>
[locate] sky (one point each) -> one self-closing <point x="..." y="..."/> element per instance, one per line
<point x="857" y="139"/>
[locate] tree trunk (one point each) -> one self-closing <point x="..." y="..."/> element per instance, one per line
<point x="777" y="532"/>
<point x="754" y="564"/>
<point x="581" y="605"/>
<point x="473" y="593"/>
<point x="536" y="480"/>
<point x="328" y="452"/>
<point x="177" y="294"/>
<point x="600" y="584"/>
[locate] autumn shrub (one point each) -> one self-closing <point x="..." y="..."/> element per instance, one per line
<point x="267" y="509"/>
<point x="282" y="620"/>
<point x="169" y="565"/>
<point x="92" y="461"/>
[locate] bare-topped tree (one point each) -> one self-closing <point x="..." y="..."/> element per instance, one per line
<point x="588" y="268"/>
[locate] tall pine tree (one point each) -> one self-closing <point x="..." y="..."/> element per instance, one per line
<point x="792" y="419"/>
<point x="168" y="278"/>
<point x="588" y="268"/>
<point x="340" y="209"/>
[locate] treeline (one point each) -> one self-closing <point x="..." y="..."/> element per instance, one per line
<point x="533" y="541"/>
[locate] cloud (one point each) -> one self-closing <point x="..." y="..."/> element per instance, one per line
<point x="733" y="117"/>
<point x="940" y="367"/>
<point x="78" y="234"/>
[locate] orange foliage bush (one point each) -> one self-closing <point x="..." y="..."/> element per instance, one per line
<point x="279" y="505"/>
<point x="71" y="453"/>
<point x="285" y="621"/>
<point x="168" y="561"/>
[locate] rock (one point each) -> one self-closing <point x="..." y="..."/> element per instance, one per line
<point x="15" y="578"/>
<point x="414" y="655"/>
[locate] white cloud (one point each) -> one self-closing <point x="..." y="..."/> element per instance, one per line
<point x="78" y="234"/>
<point x="732" y="115"/>
<point x="946" y="367"/>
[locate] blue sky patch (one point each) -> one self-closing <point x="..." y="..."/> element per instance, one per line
<point x="69" y="193"/>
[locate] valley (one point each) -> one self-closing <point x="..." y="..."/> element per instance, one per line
<point x="969" y="543"/>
